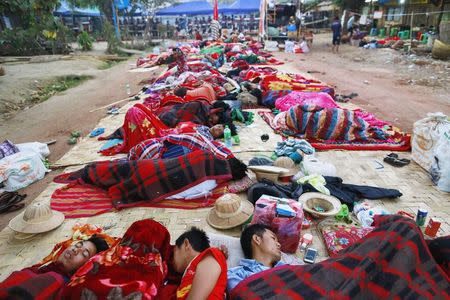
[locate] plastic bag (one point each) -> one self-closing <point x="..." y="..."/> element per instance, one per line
<point x="440" y="166"/>
<point x="426" y="134"/>
<point x="37" y="147"/>
<point x="311" y="165"/>
<point x="287" y="229"/>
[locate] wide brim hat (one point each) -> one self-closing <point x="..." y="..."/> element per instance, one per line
<point x="267" y="172"/>
<point x="229" y="211"/>
<point x="330" y="204"/>
<point x="37" y="218"/>
<point x="286" y="163"/>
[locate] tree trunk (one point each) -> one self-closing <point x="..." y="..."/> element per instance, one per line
<point x="441" y="13"/>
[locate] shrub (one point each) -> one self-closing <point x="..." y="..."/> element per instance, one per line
<point x="85" y="41"/>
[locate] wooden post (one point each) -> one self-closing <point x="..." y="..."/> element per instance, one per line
<point x="411" y="32"/>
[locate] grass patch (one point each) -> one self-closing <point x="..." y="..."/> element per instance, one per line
<point x="108" y="64"/>
<point x="54" y="86"/>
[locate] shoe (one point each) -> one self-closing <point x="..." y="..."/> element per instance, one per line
<point x="396" y="162"/>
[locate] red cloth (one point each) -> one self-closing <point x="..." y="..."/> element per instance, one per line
<point x="140" y="124"/>
<point x="186" y="282"/>
<point x="135" y="266"/>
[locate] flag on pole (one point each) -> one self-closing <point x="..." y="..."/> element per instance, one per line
<point x="216" y="10"/>
<point x="262" y="18"/>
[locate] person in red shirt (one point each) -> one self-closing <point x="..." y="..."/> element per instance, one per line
<point x="198" y="36"/>
<point x="204" y="268"/>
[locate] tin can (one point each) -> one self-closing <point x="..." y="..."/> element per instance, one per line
<point x="421" y="216"/>
<point x="432" y="228"/>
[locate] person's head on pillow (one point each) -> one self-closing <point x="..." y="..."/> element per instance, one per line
<point x="180" y="91"/>
<point x="258" y="242"/>
<point x="188" y="245"/>
<point x="79" y="253"/>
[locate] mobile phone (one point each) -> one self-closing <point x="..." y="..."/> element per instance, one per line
<point x="310" y="255"/>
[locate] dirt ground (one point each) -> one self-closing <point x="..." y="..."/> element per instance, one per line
<point x="395" y="87"/>
<point x="68" y="111"/>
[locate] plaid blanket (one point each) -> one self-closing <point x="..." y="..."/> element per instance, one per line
<point x="392" y="262"/>
<point x="26" y="284"/>
<point x="131" y="182"/>
<point x="161" y="147"/>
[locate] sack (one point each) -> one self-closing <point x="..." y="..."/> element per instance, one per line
<point x="440" y="166"/>
<point x="21" y="169"/>
<point x="426" y="134"/>
<point x="287" y="229"/>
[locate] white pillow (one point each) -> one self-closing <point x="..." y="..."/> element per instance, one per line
<point x="235" y="253"/>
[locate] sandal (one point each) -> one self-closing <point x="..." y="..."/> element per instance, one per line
<point x="11" y="204"/>
<point x="396" y="162"/>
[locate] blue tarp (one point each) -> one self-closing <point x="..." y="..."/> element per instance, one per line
<point x="194" y="8"/>
<point x="243" y="7"/>
<point x="187" y="8"/>
<point x="66" y="10"/>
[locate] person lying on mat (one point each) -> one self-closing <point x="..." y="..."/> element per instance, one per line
<point x="141" y="123"/>
<point x="144" y="265"/>
<point x="262" y="251"/>
<point x="203" y="92"/>
<point x="174" y="145"/>
<point x="198" y="112"/>
<point x="394" y="261"/>
<point x="204" y="268"/>
<point x="47" y="279"/>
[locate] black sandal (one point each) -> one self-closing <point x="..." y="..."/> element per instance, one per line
<point x="395" y="161"/>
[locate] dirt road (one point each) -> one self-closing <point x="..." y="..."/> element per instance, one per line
<point x="396" y="88"/>
<point x="68" y="111"/>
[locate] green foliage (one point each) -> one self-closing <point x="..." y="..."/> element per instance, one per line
<point x="85" y="41"/>
<point x="110" y="36"/>
<point x="18" y="41"/>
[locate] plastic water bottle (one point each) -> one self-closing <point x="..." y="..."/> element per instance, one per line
<point x="227" y="137"/>
<point x="127" y="89"/>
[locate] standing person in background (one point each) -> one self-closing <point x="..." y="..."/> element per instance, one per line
<point x="336" y="28"/>
<point x="350" y="22"/>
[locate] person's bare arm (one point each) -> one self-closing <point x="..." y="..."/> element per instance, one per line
<point x="206" y="276"/>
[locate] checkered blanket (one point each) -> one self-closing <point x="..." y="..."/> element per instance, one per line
<point x="392" y="262"/>
<point x="131" y="182"/>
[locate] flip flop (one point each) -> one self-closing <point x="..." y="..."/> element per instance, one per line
<point x="97" y="132"/>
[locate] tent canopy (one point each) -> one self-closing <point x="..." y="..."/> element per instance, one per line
<point x="243" y="6"/>
<point x="67" y="10"/>
<point x="187" y="8"/>
<point x="205" y="8"/>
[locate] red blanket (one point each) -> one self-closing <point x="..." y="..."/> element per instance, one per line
<point x="392" y="262"/>
<point x="102" y="186"/>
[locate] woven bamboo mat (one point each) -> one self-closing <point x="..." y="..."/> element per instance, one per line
<point x="358" y="167"/>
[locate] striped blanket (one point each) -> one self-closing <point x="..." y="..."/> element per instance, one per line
<point x="392" y="262"/>
<point x="316" y="122"/>
<point x="324" y="132"/>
